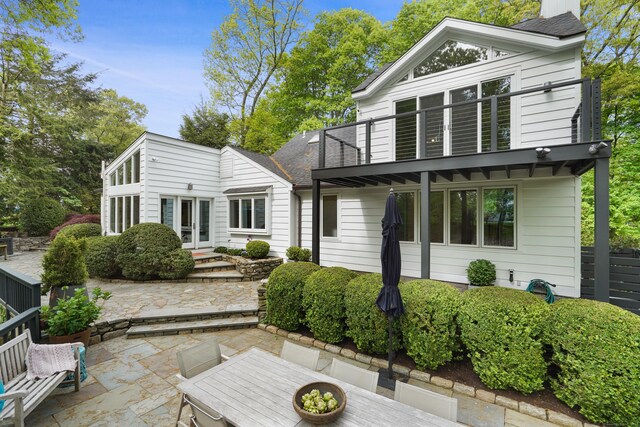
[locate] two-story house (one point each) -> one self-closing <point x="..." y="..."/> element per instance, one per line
<point x="483" y="132"/>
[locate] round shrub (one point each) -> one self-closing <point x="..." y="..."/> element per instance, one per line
<point x="41" y="215"/>
<point x="100" y="256"/>
<point x="502" y="330"/>
<point x="596" y="350"/>
<point x="323" y="302"/>
<point x="220" y="250"/>
<point x="284" y="294"/>
<point x="63" y="264"/>
<point x="177" y="264"/>
<point x="142" y="248"/>
<point x="80" y="231"/>
<point x="257" y="249"/>
<point x="429" y="323"/>
<point x="367" y="325"/>
<point x="236" y="252"/>
<point x="75" y="219"/>
<point x="481" y="272"/>
<point x="294" y="253"/>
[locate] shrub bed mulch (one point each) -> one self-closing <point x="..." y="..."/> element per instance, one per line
<point x="462" y="371"/>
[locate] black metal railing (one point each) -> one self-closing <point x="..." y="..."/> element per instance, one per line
<point x="20" y="301"/>
<point x="473" y="125"/>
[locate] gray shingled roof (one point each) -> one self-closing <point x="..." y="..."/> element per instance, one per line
<point x="300" y="155"/>
<point x="564" y="25"/>
<point x="264" y="161"/>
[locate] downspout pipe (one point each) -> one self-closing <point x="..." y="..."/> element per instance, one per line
<point x="299" y="222"/>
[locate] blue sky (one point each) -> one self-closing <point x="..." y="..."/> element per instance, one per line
<point x="152" y="50"/>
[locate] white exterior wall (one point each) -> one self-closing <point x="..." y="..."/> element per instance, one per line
<point x="238" y="171"/>
<point x="547" y="236"/>
<point x="540" y="119"/>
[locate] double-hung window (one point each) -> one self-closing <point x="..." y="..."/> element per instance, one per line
<point x="249" y="213"/>
<point x="330" y="215"/>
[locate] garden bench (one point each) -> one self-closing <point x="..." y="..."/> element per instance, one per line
<point x="21" y="395"/>
<point x="4" y="250"/>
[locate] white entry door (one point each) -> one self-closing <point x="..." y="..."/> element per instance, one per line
<point x="187" y="222"/>
<point x="203" y="224"/>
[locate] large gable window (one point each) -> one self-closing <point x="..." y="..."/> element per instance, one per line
<point x="451" y="54"/>
<point x="128" y="172"/>
<point x="124" y="212"/>
<point x="248" y="210"/>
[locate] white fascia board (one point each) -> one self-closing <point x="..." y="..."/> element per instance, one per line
<point x="259" y="167"/>
<point x="154" y="137"/>
<point x="137" y="143"/>
<point x="466" y="28"/>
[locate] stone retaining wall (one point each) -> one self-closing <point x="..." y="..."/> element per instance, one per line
<point x="262" y="300"/>
<point x="455" y="387"/>
<point x="254" y="269"/>
<point x="25" y="244"/>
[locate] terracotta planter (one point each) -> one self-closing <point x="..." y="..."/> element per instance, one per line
<point x="82" y="337"/>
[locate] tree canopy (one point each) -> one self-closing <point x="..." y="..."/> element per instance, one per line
<point x="205" y="126"/>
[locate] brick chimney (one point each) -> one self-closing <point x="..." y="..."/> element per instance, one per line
<point x="551" y="8"/>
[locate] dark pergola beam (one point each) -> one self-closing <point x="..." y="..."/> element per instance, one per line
<point x="465" y="173"/>
<point x="396" y="178"/>
<point x="559" y="153"/>
<point x="346" y="182"/>
<point x="425" y="229"/>
<point x="315" y="221"/>
<point x="532" y="168"/>
<point x="601" y="230"/>
<point x="368" y="180"/>
<point x="486" y="172"/>
<point x="507" y="168"/>
<point x="414" y="177"/>
<point x="556" y="168"/>
<point x="381" y="179"/>
<point x="446" y="175"/>
<point x="582" y="167"/>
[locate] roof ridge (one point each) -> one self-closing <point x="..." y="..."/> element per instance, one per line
<point x="277" y="163"/>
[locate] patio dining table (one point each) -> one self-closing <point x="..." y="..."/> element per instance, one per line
<point x="255" y="388"/>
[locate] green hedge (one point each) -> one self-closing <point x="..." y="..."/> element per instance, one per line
<point x="80" y="231"/>
<point x="284" y="294"/>
<point x="323" y="302"/>
<point x="367" y="325"/>
<point x="257" y="249"/>
<point x="100" y="256"/>
<point x="295" y="253"/>
<point x="41" y="215"/>
<point x="63" y="264"/>
<point x="142" y="249"/>
<point x="177" y="264"/>
<point x="429" y="323"/>
<point x="596" y="350"/>
<point x="502" y="329"/>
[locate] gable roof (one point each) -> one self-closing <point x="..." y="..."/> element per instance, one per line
<point x="300" y="154"/>
<point x="558" y="32"/>
<point x="265" y="161"/>
<point x="564" y="25"/>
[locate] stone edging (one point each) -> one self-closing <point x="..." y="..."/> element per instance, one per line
<point x="486" y="396"/>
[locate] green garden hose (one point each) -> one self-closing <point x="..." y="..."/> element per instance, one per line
<point x="539" y="283"/>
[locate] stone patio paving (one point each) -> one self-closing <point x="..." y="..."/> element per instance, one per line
<point x="132" y="381"/>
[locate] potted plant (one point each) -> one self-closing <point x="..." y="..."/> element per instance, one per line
<point x="64" y="268"/>
<point x="71" y="318"/>
<point x="481" y="272"/>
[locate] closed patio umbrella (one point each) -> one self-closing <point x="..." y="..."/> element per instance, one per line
<point x="389" y="299"/>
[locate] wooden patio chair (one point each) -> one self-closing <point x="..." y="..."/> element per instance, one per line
<point x="192" y="362"/>
<point x="426" y="400"/>
<point x="303" y="356"/>
<point x="351" y="374"/>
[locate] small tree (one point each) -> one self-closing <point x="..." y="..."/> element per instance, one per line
<point x="64" y="264"/>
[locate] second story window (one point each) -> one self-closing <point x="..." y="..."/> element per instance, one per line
<point x="128" y="172"/>
<point x="406" y="130"/>
<point x="451" y="54"/>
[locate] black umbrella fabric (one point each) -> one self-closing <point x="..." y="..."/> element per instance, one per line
<point x="389" y="300"/>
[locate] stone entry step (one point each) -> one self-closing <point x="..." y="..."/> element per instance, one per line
<point x="193" y="314"/>
<point x="205" y="257"/>
<point x="193" y="326"/>
<point x="215" y="276"/>
<point x="211" y="267"/>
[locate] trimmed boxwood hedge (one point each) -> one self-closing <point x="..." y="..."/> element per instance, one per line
<point x="142" y="249"/>
<point x="429" y="323"/>
<point x="63" y="264"/>
<point x="177" y="264"/>
<point x="81" y="231"/>
<point x="367" y="325"/>
<point x="40" y="215"/>
<point x="257" y="249"/>
<point x="502" y="330"/>
<point x="596" y="353"/>
<point x="284" y="294"/>
<point x="323" y="302"/>
<point x="100" y="257"/>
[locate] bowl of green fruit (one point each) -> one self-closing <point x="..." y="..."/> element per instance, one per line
<point x="319" y="402"/>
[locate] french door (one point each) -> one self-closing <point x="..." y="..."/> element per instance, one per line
<point x="187" y="223"/>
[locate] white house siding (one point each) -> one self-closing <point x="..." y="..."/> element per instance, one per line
<point x="536" y="119"/>
<point x="548" y="240"/>
<point x="240" y="172"/>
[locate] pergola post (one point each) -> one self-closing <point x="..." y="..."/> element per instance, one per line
<point x="601" y="230"/>
<point x="315" y="221"/>
<point x="425" y="225"/>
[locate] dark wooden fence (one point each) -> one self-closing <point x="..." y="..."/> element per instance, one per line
<point x="20" y="298"/>
<point x="624" y="278"/>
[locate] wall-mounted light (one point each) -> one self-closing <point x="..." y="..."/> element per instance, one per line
<point x="547" y="84"/>
<point x="542" y="152"/>
<point x="511" y="275"/>
<point x="595" y="148"/>
<point x="189" y="186"/>
<point x="154" y="159"/>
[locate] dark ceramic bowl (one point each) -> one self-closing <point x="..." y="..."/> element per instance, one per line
<point x="317" y="419"/>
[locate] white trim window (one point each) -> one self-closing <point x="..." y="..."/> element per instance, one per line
<point x="128" y="172"/>
<point x="124" y="212"/>
<point x="249" y="213"/>
<point x="406" y="202"/>
<point x="330" y="218"/>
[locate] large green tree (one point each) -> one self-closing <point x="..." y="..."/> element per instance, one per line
<point x="340" y="51"/>
<point x="205" y="126"/>
<point x="246" y="51"/>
